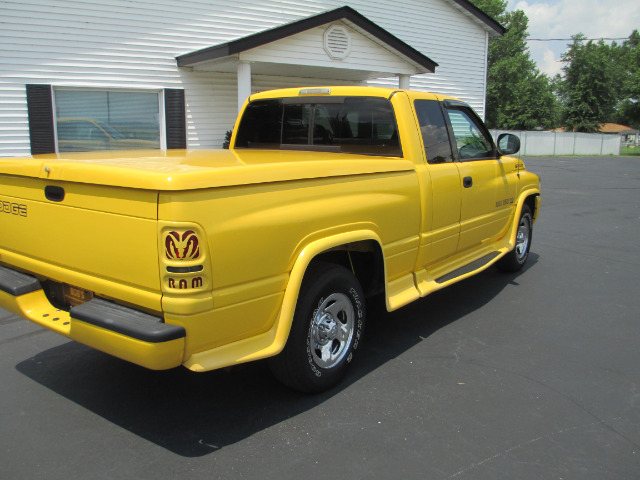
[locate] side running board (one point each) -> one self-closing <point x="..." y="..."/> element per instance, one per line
<point x="468" y="268"/>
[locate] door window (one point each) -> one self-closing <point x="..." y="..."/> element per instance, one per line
<point x="471" y="139"/>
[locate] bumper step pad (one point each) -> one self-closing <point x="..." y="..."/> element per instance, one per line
<point x="126" y="321"/>
<point x="16" y="283"/>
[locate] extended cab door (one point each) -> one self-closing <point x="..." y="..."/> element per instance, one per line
<point x="442" y="200"/>
<point x="488" y="185"/>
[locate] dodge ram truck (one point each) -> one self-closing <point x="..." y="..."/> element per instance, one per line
<point x="326" y="197"/>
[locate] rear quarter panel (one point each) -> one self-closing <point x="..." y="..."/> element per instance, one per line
<point x="255" y="234"/>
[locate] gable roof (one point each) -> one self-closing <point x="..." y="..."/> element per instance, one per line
<point x="259" y="39"/>
<point x="471" y="10"/>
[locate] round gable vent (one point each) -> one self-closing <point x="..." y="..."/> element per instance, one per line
<point x="337" y="42"/>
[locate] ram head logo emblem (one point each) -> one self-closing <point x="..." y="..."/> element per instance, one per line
<point x="183" y="246"/>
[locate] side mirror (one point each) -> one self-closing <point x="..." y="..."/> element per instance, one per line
<point x="508" y="144"/>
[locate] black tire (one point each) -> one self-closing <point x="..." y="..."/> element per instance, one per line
<point x="516" y="258"/>
<point x="327" y="329"/>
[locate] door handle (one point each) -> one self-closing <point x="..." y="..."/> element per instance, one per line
<point x="467" y="182"/>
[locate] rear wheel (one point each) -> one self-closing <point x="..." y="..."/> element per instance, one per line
<point x="326" y="330"/>
<point x="516" y="258"/>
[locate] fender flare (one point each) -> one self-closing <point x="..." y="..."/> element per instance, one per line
<point x="273" y="341"/>
<point x="521" y="200"/>
<point x="283" y="323"/>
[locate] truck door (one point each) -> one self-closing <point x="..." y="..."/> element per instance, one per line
<point x="488" y="188"/>
<point x="440" y="236"/>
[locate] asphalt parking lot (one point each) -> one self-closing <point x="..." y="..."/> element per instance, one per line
<point x="527" y="376"/>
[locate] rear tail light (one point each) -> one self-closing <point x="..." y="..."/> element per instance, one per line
<point x="184" y="259"/>
<point x="182" y="245"/>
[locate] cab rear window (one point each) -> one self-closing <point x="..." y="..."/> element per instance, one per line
<point x="364" y="125"/>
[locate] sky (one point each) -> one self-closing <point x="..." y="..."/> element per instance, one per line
<point x="563" y="18"/>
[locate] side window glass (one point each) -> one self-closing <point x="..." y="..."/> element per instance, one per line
<point x="471" y="141"/>
<point x="434" y="131"/>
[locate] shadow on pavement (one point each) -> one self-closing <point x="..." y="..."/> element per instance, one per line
<point x="193" y="414"/>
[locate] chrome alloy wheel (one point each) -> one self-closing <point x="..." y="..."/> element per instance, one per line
<point x="332" y="330"/>
<point x="522" y="237"/>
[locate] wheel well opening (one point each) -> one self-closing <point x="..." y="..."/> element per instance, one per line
<point x="531" y="203"/>
<point x="364" y="259"/>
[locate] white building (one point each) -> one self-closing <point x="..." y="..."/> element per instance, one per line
<point x="171" y="74"/>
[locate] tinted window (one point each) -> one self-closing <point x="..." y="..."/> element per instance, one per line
<point x="352" y="124"/>
<point x="327" y="124"/>
<point x="295" y="126"/>
<point x="434" y="131"/>
<point x="261" y="125"/>
<point x="368" y="125"/>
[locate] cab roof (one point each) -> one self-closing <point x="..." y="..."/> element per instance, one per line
<point x="343" y="91"/>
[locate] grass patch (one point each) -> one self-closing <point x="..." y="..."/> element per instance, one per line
<point x="635" y="151"/>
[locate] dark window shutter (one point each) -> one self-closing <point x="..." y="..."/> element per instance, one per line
<point x="174" y="111"/>
<point x="40" y="108"/>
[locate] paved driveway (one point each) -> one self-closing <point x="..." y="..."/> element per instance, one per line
<point x="529" y="376"/>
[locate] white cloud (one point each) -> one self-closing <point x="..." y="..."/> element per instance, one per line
<point x="563" y="18"/>
<point x="550" y="65"/>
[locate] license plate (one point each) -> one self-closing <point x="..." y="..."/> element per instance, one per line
<point x="75" y="296"/>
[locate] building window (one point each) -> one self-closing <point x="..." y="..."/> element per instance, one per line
<point x="89" y="120"/>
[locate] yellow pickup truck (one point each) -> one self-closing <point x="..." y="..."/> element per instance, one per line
<point x="326" y="197"/>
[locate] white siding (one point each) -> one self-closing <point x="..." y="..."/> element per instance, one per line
<point x="266" y="82"/>
<point x="133" y="44"/>
<point x="307" y="48"/>
<point x="445" y="36"/>
<point x="212" y="106"/>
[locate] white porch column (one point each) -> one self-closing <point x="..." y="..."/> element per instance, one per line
<point x="244" y="83"/>
<point x="404" y="81"/>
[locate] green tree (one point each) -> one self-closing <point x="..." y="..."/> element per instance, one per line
<point x="593" y="82"/>
<point x="519" y="97"/>
<point x="629" y="109"/>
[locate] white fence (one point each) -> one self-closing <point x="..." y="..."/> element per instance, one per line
<point x="564" y="143"/>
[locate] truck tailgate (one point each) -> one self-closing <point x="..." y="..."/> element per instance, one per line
<point x="102" y="239"/>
